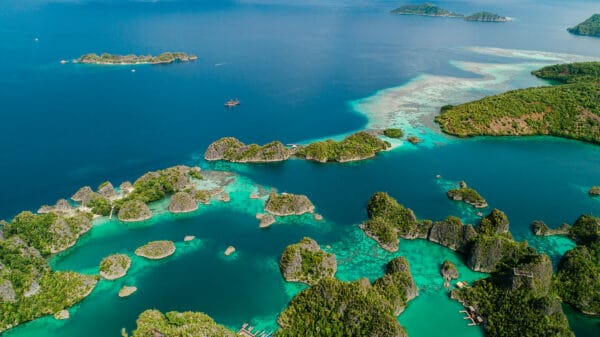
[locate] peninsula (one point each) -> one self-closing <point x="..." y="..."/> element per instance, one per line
<point x="164" y="58"/>
<point x="359" y="146"/>
<point x="570" y="109"/>
<point x="425" y="9"/>
<point x="590" y="27"/>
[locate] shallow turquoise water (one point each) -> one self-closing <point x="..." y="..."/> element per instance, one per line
<point x="302" y="72"/>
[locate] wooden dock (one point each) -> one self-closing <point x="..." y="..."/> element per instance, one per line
<point x="246" y="331"/>
<point x="471" y="314"/>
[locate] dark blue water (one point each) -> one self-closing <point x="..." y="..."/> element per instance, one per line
<point x="295" y="66"/>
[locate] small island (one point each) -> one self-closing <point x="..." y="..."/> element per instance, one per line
<point x="114" y="266"/>
<point x="164" y="58"/>
<point x="425" y="9"/>
<point x="134" y="211"/>
<point x="127" y="291"/>
<point x="569" y="109"/>
<point x="539" y="228"/>
<point x="590" y="27"/>
<point x="154" y="323"/>
<point x="594" y="191"/>
<point x="182" y="202"/>
<point x="393" y="133"/>
<point x="359" y="146"/>
<point x="449" y="272"/>
<point x="266" y="220"/>
<point x="468" y="196"/>
<point x="306" y="262"/>
<point x="486" y="17"/>
<point x="156" y="250"/>
<point x="285" y="204"/>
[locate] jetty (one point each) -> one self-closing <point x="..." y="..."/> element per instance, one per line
<point x="246" y="331"/>
<point x="471" y="314"/>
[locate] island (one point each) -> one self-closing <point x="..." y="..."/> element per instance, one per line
<point x="182" y="202"/>
<point x="361" y="308"/>
<point x="393" y="133"/>
<point x="358" y="146"/>
<point x="449" y="272"/>
<point x="590" y="27"/>
<point x="156" y="250"/>
<point x="127" y="291"/>
<point x="266" y="220"/>
<point x="425" y="9"/>
<point x="114" y="266"/>
<point x="594" y="191"/>
<point x="486" y="17"/>
<point x="154" y="323"/>
<point x="285" y="204"/>
<point x="569" y="109"/>
<point x="468" y="196"/>
<point x="134" y="211"/>
<point x="164" y="58"/>
<point x="305" y="262"/>
<point x="539" y="228"/>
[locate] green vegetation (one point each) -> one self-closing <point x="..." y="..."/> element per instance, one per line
<point x="231" y="149"/>
<point x="306" y="262"/>
<point x="397" y="285"/>
<point x="288" y="204"/>
<point x="578" y="276"/>
<point x="486" y="17"/>
<point x="426" y="9"/>
<point x="178" y="324"/>
<point x="393" y="133"/>
<point x="570" y="110"/>
<point x="106" y="58"/>
<point x="196" y="174"/>
<point x="590" y="27"/>
<point x="156" y="249"/>
<point x="336" y="308"/>
<point x="100" y="205"/>
<point x="134" y="210"/>
<point x="358" y="146"/>
<point x="114" y="266"/>
<point x="515" y="300"/>
<point x="469" y="196"/>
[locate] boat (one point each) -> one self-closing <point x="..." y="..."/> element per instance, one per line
<point x="232" y="103"/>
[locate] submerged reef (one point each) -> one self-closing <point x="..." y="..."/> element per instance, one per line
<point x="306" y="262"/>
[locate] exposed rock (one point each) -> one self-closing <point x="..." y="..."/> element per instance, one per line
<point x="540" y="228"/>
<point x="231" y="149"/>
<point x="188" y="238"/>
<point x="83" y="195"/>
<point x="114" y="266"/>
<point x="126" y="187"/>
<point x="266" y="220"/>
<point x="452" y="233"/>
<point x="594" y="191"/>
<point x="156" y="250"/>
<point x="66" y="231"/>
<point x="133" y="211"/>
<point x="107" y="190"/>
<point x="449" y="271"/>
<point x="414" y="140"/>
<point x="468" y="196"/>
<point x="318" y="217"/>
<point x="487" y="251"/>
<point x="182" y="202"/>
<point x="225" y="197"/>
<point x="230" y="250"/>
<point x="306" y="262"/>
<point x="7" y="292"/>
<point x="127" y="291"/>
<point x="62" y="315"/>
<point x="288" y="204"/>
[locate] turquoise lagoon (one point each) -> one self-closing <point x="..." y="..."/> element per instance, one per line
<point x="303" y="72"/>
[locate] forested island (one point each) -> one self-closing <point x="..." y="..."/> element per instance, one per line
<point x="425" y="9"/>
<point x="486" y="17"/>
<point x="105" y="58"/>
<point x="359" y="146"/>
<point x="467" y="195"/>
<point x="306" y="262"/>
<point x="521" y="294"/>
<point x="428" y="9"/>
<point x="570" y="109"/>
<point x="590" y="27"/>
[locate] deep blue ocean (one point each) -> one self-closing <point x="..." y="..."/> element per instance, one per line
<point x="297" y="66"/>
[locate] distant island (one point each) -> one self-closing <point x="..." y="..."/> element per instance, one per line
<point x="570" y="109"/>
<point x="163" y="58"/>
<point x="425" y="9"/>
<point x="428" y="9"/>
<point x="358" y="146"/>
<point x="486" y="17"/>
<point x="589" y="27"/>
